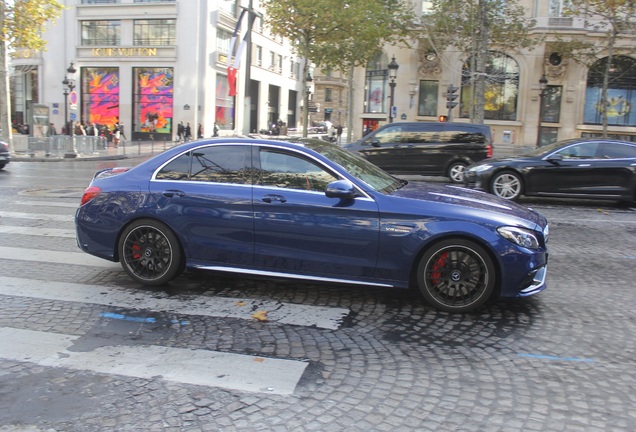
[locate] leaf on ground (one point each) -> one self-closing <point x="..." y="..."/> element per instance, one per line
<point x="260" y="315"/>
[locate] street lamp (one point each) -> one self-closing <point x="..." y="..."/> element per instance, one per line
<point x="393" y="67"/>
<point x="308" y="81"/>
<point x="543" y="84"/>
<point x="69" y="86"/>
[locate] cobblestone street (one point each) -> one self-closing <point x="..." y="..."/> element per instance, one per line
<point x="563" y="360"/>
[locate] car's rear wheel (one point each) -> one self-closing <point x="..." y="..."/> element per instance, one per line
<point x="456" y="275"/>
<point x="150" y="252"/>
<point x="456" y="172"/>
<point x="507" y="185"/>
<point x="2" y="166"/>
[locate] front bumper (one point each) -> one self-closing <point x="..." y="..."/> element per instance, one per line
<point x="535" y="282"/>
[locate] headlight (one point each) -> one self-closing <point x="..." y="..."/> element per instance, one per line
<point x="519" y="236"/>
<point x="480" y="168"/>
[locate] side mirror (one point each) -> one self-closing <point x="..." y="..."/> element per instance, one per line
<point x="555" y="158"/>
<point x="342" y="189"/>
<point x="375" y="143"/>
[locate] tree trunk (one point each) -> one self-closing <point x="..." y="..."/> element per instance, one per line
<point x="5" y="98"/>
<point x="350" y="96"/>
<point x="604" y="104"/>
<point x="479" y="86"/>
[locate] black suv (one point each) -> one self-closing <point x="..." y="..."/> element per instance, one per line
<point x="5" y="155"/>
<point x="426" y="148"/>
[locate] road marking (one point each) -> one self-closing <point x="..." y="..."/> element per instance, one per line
<point x="73" y="205"/>
<point x="36" y="231"/>
<point x="556" y="358"/>
<point x="198" y="367"/>
<point x="57" y="257"/>
<point x="219" y="307"/>
<point x="37" y="216"/>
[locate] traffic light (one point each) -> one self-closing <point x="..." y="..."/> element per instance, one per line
<point x="443" y="118"/>
<point x="451" y="95"/>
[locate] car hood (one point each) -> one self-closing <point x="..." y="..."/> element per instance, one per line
<point x="468" y="199"/>
<point x="503" y="160"/>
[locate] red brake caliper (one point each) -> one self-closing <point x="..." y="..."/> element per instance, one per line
<point x="136" y="251"/>
<point x="438" y="268"/>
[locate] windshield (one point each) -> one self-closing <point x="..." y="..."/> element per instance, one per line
<point x="358" y="167"/>
<point x="542" y="151"/>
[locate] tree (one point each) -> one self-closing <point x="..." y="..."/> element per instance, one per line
<point x="336" y="34"/>
<point x="614" y="19"/>
<point x="476" y="28"/>
<point x="22" y="23"/>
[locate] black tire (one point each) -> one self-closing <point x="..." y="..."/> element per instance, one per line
<point x="150" y="252"/>
<point x="507" y="185"/>
<point x="456" y="171"/>
<point x="2" y="166"/>
<point x="456" y="275"/>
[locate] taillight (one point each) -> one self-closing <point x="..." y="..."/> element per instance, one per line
<point x="90" y="193"/>
<point x="489" y="151"/>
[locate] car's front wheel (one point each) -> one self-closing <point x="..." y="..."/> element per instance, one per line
<point x="150" y="252"/>
<point x="507" y="185"/>
<point x="456" y="275"/>
<point x="456" y="172"/>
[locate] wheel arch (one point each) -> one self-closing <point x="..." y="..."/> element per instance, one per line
<point x="462" y="160"/>
<point x="511" y="170"/>
<point x="460" y="236"/>
<point x="150" y="218"/>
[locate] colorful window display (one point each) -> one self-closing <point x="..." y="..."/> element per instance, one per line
<point x="621" y="92"/>
<point x="224" y="113"/>
<point x="153" y="103"/>
<point x="101" y="97"/>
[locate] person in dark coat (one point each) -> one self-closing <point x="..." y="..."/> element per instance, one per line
<point x="187" y="132"/>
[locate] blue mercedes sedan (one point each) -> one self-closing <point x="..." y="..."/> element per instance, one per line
<point x="307" y="209"/>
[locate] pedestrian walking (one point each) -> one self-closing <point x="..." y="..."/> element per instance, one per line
<point x="200" y="131"/>
<point x="216" y="130"/>
<point x="339" y="133"/>
<point x="180" y="131"/>
<point x="187" y="132"/>
<point x="116" y="135"/>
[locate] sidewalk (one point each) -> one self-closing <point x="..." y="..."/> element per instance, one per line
<point x="126" y="149"/>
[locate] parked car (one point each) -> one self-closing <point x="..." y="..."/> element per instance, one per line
<point x="5" y="155"/>
<point x="314" y="211"/>
<point x="577" y="168"/>
<point x="426" y="148"/>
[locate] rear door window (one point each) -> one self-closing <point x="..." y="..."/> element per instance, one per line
<point x="216" y="164"/>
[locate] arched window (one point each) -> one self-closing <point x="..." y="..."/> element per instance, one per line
<point x="376" y="84"/>
<point x="502" y="88"/>
<point x="621" y="92"/>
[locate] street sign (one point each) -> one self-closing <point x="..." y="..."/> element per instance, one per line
<point x="393" y="111"/>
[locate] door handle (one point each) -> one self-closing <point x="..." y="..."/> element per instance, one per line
<point x="172" y="193"/>
<point x="269" y="198"/>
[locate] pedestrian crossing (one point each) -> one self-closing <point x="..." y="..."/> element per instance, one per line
<point x="29" y="217"/>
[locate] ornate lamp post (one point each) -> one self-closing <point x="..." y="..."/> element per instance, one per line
<point x="69" y="86"/>
<point x="308" y="81"/>
<point x="543" y="84"/>
<point x="393" y="67"/>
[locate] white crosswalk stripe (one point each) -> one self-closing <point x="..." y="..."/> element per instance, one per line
<point x="202" y="367"/>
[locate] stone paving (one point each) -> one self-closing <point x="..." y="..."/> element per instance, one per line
<point x="560" y="361"/>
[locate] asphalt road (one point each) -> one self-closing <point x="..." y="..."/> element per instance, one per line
<point x="84" y="349"/>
